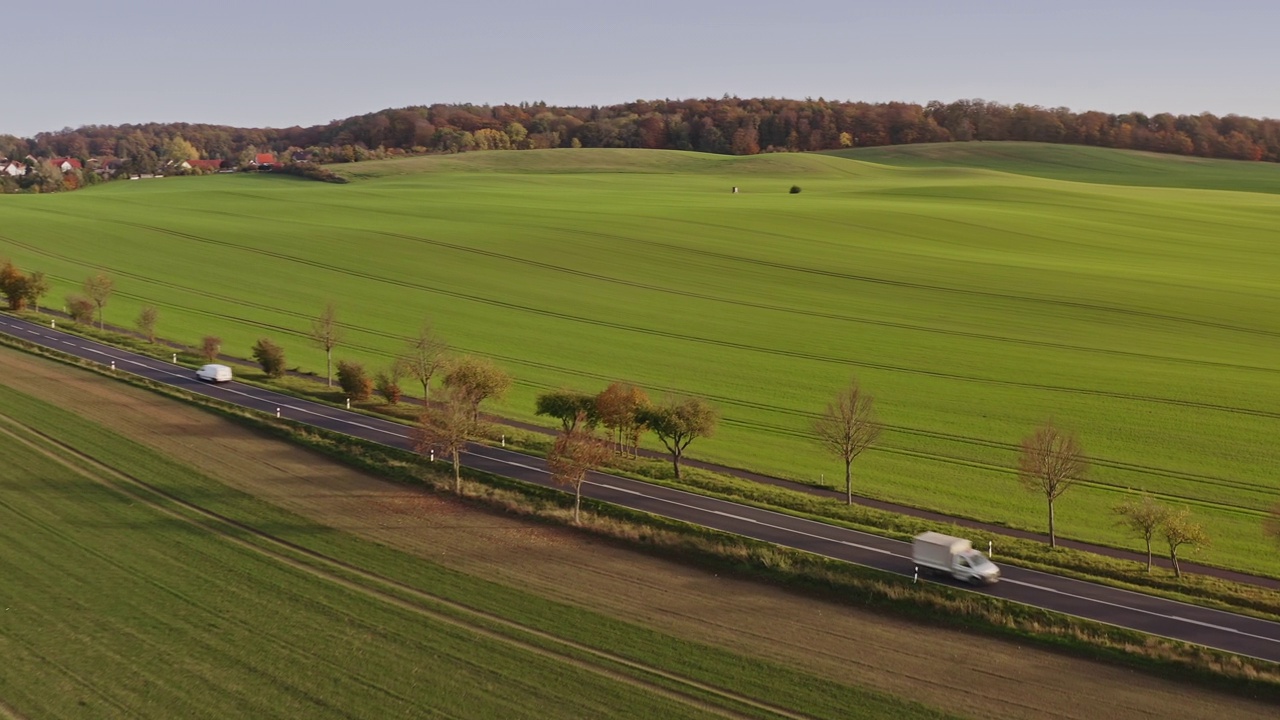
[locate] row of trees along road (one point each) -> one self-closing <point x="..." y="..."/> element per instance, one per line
<point x="1050" y="462"/>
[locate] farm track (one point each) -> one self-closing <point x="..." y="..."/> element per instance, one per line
<point x="770" y="427"/>
<point x="393" y="592"/>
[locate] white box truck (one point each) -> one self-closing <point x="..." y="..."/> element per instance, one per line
<point x="953" y="556"/>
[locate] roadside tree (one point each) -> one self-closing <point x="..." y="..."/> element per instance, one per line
<point x="576" y="453"/>
<point x="37" y="288"/>
<point x="80" y="308"/>
<point x="570" y="407"/>
<point x="620" y="408"/>
<point x="146" y="322"/>
<point x="1179" y="530"/>
<point x="326" y="334"/>
<point x="14" y="284"/>
<point x="445" y="425"/>
<point x="425" y="356"/>
<point x="477" y="380"/>
<point x="387" y="382"/>
<point x="98" y="288"/>
<point x="1144" y="516"/>
<point x="678" y="422"/>
<point x="1051" y="462"/>
<point x="846" y="428"/>
<point x="210" y="346"/>
<point x="270" y="356"/>
<point x="354" y="381"/>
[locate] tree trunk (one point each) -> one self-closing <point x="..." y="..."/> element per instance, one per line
<point x="1173" y="555"/>
<point x="1148" y="556"/>
<point x="328" y="368"/>
<point x="675" y="460"/>
<point x="457" y="474"/>
<point x="848" y="483"/>
<point x="1053" y="539"/>
<point x="577" y="503"/>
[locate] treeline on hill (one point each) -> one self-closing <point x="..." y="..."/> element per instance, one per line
<point x="728" y="125"/>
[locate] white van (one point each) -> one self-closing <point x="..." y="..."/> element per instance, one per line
<point x="953" y="556"/>
<point x="214" y="373"/>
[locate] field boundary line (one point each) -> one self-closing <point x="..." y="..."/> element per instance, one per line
<point x="391" y="599"/>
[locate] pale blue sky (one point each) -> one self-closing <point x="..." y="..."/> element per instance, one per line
<point x="277" y="63"/>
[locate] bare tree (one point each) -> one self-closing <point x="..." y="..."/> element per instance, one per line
<point x="678" y="423"/>
<point x="445" y="425"/>
<point x="847" y="428"/>
<point x="477" y="379"/>
<point x="576" y="453"/>
<point x="210" y="346"/>
<point x="618" y="408"/>
<point x="425" y="356"/>
<point x="1143" y="516"/>
<point x="326" y="334"/>
<point x="37" y="288"/>
<point x="1178" y="530"/>
<point x="99" y="288"/>
<point x="1051" y="462"/>
<point x="146" y="322"/>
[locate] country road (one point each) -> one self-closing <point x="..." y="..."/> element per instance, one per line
<point x="1212" y="628"/>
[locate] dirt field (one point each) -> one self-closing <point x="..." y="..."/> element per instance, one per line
<point x="1001" y="679"/>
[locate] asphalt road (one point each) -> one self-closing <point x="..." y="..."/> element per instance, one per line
<point x="1190" y="623"/>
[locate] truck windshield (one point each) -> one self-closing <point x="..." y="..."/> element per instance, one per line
<point x="977" y="559"/>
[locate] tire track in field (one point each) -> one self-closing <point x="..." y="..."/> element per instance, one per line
<point x="298" y="652"/>
<point x="8" y="712"/>
<point x="818" y="313"/>
<point x="668" y="335"/>
<point x="215" y="523"/>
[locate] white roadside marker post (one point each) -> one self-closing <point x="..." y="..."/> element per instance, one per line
<point x="915" y="574"/>
<point x="175" y="358"/>
<point x="277" y="412"/>
<point x="53" y="323"/>
<point x="433" y="454"/>
<point x="989" y="547"/>
<point x="113" y="365"/>
<point x="504" y="439"/>
<point x="348" y="403"/>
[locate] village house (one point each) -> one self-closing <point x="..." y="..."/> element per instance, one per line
<point x="13" y="168"/>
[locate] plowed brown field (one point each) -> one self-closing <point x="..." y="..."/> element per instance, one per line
<point x="954" y="671"/>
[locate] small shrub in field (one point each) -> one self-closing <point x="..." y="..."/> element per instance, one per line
<point x="795" y="189"/>
<point x="80" y="308"/>
<point x="354" y="381"/>
<point x="270" y="356"/>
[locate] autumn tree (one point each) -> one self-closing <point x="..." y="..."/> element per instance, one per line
<point x="326" y="334"/>
<point x="568" y="406"/>
<point x="80" y="308"/>
<point x="1051" y="461"/>
<point x="387" y="382"/>
<point x="576" y="453"/>
<point x="14" y="284"/>
<point x="846" y="428"/>
<point x="678" y="422"/>
<point x="37" y="288"/>
<point x="477" y="379"/>
<point x="1144" y="516"/>
<point x="1179" y="530"/>
<point x="210" y="346"/>
<point x="425" y="356"/>
<point x="98" y="288"/>
<point x="146" y="322"/>
<point x="619" y="408"/>
<point x="445" y="425"/>
<point x="354" y="381"/>
<point x="177" y="150"/>
<point x="270" y="356"/>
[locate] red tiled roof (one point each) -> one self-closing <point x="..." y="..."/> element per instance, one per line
<point x="265" y="159"/>
<point x="75" y="163"/>
<point x="214" y="164"/>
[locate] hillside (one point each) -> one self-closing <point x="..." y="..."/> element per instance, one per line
<point x="973" y="304"/>
<point x="1079" y="163"/>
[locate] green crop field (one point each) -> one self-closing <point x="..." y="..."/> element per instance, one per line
<point x="133" y="586"/>
<point x="973" y="304"/>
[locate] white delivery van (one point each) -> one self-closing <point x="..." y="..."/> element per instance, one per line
<point x="953" y="556"/>
<point x="214" y="373"/>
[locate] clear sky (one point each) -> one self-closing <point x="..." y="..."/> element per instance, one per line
<point x="277" y="63"/>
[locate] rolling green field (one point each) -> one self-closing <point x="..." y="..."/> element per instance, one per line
<point x="973" y="304"/>
<point x="134" y="586"/>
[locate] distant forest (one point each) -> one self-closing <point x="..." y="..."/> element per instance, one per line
<point x="728" y="125"/>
